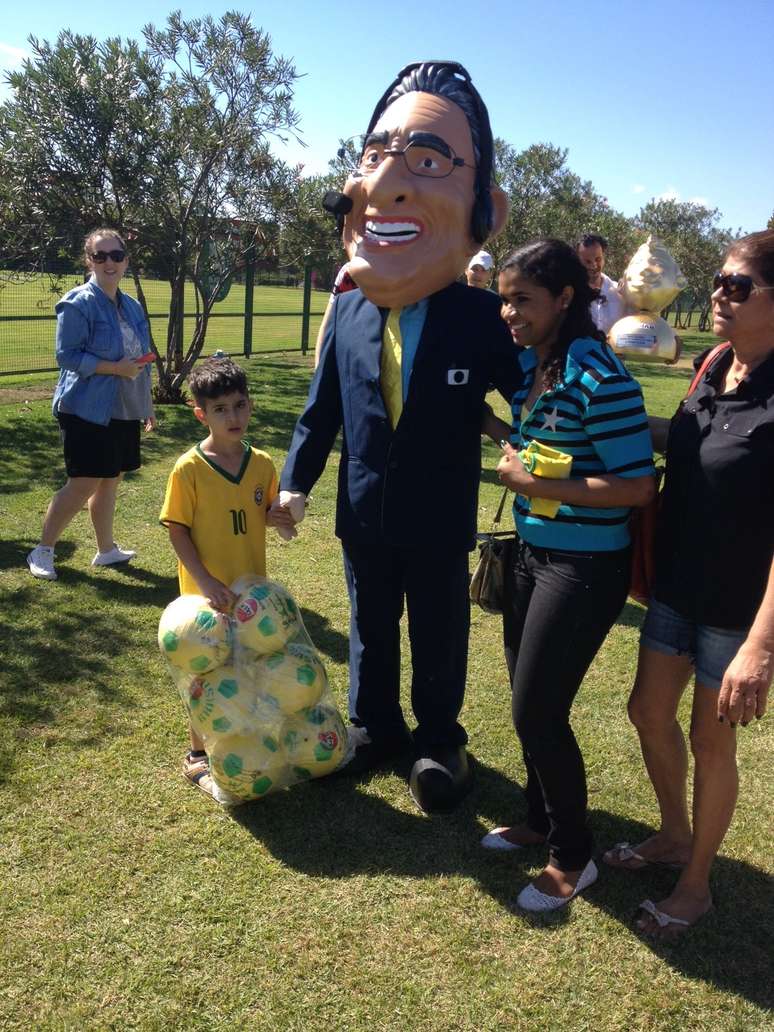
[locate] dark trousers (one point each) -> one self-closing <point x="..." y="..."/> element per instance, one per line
<point x="558" y="609"/>
<point x="434" y="583"/>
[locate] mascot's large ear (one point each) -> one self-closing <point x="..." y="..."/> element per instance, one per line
<point x="500" y="209"/>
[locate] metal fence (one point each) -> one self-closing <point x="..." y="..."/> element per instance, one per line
<point x="263" y="311"/>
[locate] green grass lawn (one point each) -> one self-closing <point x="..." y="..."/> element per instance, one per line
<point x="131" y="901"/>
<point x="28" y="343"/>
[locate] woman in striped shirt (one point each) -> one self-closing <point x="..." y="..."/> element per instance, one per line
<point x="571" y="568"/>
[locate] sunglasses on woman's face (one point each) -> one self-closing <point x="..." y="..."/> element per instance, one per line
<point x="102" y="256"/>
<point x="736" y="286"/>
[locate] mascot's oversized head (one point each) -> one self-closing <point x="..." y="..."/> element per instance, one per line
<point x="421" y="191"/>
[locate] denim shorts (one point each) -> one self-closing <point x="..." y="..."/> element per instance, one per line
<point x="710" y="649"/>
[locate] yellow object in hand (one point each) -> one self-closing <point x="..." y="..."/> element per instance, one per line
<point x="542" y="461"/>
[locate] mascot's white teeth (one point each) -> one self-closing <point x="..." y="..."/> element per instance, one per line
<point x="392" y="231"/>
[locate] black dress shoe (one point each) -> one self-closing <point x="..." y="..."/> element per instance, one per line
<point x="440" y="779"/>
<point x="367" y="754"/>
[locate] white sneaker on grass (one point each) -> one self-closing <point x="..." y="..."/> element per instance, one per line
<point x="41" y="562"/>
<point x="114" y="556"/>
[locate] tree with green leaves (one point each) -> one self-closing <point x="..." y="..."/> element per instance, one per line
<point x="547" y="199"/>
<point x="169" y="142"/>
<point x="698" y="244"/>
<point x="309" y="235"/>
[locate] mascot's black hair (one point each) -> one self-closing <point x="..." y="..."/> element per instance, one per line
<point x="450" y="80"/>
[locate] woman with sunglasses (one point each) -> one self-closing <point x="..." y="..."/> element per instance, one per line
<point x="101" y="399"/>
<point x="712" y="610"/>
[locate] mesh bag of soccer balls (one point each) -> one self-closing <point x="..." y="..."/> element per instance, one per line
<point x="254" y="689"/>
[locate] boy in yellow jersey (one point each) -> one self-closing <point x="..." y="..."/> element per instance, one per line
<point x="217" y="506"/>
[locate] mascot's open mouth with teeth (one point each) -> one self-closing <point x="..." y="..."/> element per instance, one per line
<point x="385" y="232"/>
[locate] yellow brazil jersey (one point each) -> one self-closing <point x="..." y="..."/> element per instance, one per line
<point x="225" y="514"/>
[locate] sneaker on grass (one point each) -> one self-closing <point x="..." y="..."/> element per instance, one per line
<point x="114" y="556"/>
<point x="41" y="562"/>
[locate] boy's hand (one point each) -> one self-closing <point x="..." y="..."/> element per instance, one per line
<point x="285" y="512"/>
<point x="294" y="501"/>
<point x="217" y="594"/>
<point x="282" y="520"/>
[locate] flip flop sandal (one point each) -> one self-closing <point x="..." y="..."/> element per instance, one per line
<point x="667" y="921"/>
<point x="627" y="859"/>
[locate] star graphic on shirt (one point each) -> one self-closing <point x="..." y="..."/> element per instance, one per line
<point x="551" y="419"/>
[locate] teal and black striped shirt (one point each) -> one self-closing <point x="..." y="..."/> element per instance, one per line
<point x="596" y="414"/>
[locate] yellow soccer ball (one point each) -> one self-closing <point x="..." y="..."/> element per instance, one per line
<point x="220" y="702"/>
<point x="293" y="679"/>
<point x="265" y="615"/>
<point x="314" y="741"/>
<point x="248" y="766"/>
<point x="193" y="636"/>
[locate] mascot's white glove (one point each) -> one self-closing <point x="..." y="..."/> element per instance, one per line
<point x="293" y="502"/>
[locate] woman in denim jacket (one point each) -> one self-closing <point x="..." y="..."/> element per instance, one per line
<point x="102" y="397"/>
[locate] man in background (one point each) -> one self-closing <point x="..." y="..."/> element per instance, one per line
<point x="608" y="308"/>
<point x="479" y="270"/>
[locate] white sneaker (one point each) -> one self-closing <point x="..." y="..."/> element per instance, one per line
<point x="534" y="901"/>
<point x="41" y="562"/>
<point x="115" y="555"/>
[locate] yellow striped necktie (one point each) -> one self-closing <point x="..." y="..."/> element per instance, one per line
<point x="391" y="367"/>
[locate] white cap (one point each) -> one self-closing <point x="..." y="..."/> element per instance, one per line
<point x="484" y="259"/>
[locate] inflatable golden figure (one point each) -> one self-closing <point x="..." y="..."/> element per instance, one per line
<point x="652" y="280"/>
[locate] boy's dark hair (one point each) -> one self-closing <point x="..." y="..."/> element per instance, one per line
<point x="214" y="377"/>
<point x="589" y="239"/>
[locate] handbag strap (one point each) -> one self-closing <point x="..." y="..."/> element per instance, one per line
<point x="500" y="507"/>
<point x="708" y="360"/>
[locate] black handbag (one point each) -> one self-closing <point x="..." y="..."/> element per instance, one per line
<point x="494" y="556"/>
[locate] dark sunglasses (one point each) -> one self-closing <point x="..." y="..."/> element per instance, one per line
<point x="102" y="256"/>
<point x="736" y="286"/>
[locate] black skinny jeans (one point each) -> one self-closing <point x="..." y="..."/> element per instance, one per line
<point x="558" y="609"/>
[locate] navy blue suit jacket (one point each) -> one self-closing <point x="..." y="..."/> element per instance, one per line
<point x="431" y="462"/>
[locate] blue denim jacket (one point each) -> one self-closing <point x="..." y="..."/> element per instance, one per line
<point x="87" y="333"/>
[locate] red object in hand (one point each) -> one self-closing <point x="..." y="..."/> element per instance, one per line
<point x="144" y="359"/>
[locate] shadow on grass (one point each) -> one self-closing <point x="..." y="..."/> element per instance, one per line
<point x="62" y="644"/>
<point x="730" y="948"/>
<point x="327" y="639"/>
<point x="31" y="453"/>
<point x="631" y="615"/>
<point x="338" y="828"/>
<point x="48" y="665"/>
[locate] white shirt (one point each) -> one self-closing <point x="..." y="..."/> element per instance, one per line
<point x="609" y="307"/>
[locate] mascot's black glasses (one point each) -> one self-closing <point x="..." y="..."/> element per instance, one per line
<point x="736" y="286"/>
<point x="425" y="154"/>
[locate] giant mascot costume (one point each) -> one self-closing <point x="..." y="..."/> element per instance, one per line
<point x="406" y="362"/>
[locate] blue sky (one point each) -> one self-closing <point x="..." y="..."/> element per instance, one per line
<point x="651" y="99"/>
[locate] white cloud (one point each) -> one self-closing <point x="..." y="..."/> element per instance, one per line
<point x="638" y="188"/>
<point x="673" y="194"/>
<point x="10" y="56"/>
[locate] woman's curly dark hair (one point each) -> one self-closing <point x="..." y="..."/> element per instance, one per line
<point x="553" y="264"/>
